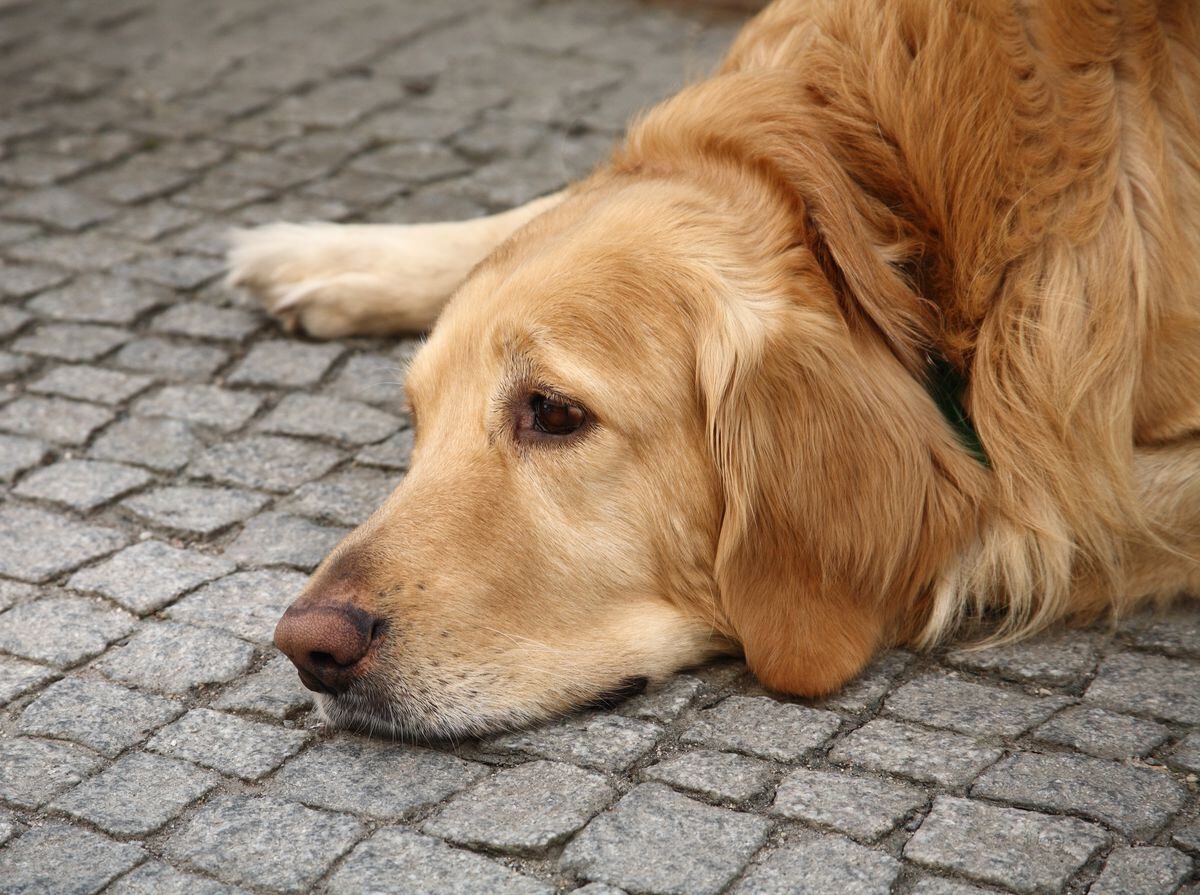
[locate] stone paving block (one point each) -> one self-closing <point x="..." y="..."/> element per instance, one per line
<point x="13" y="365"/>
<point x="1142" y="871"/>
<point x="151" y="222"/>
<point x="97" y="714"/>
<point x="9" y="826"/>
<point x="1058" y="658"/>
<point x="206" y="322"/>
<point x="394" y="452"/>
<point x="58" y="207"/>
<point x="656" y="840"/>
<point x="933" y="886"/>
<point x="149" y="575"/>
<point x="194" y="509"/>
<point x="181" y="272"/>
<point x="82" y="484"/>
<point x="86" y="383"/>
<point x="18" y="454"/>
<point x="1187" y="836"/>
<point x="289" y="364"/>
<point x="261" y="841"/>
<point x="1134" y="801"/>
<point x="870" y="686"/>
<point x="12" y="319"/>
<point x="156" y="878"/>
<point x="172" y="658"/>
<point x="340" y="418"/>
<point x="523" y="810"/>
<point x="34" y="864"/>
<point x="21" y="280"/>
<point x="62" y="630"/>
<point x="164" y="445"/>
<point x="967" y="707"/>
<point x="926" y="756"/>
<point x="1102" y="733"/>
<point x="137" y="794"/>
<point x="14" y="592"/>
<point x="821" y="865"/>
<point x="171" y="358"/>
<point x="758" y="725"/>
<point x="863" y="808"/>
<point x="279" y="539"/>
<point x="99" y="298"/>
<point x="371" y="378"/>
<point x="206" y="405"/>
<point x="54" y="419"/>
<point x="82" y="252"/>
<point x="605" y="742"/>
<point x="247" y="604"/>
<point x="18" y="676"/>
<point x="33" y="771"/>
<point x="265" y="463"/>
<point x="1186" y="753"/>
<point x="400" y="862"/>
<point x="665" y="702"/>
<point x="720" y="776"/>
<point x="373" y="778"/>
<point x="228" y="744"/>
<point x="71" y="341"/>
<point x="36" y="545"/>
<point x="1145" y="684"/>
<point x="598" y="889"/>
<point x="273" y="690"/>
<point x="1175" y="631"/>
<point x="346" y="498"/>
<point x="1019" y="850"/>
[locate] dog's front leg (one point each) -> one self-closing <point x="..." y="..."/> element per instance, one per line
<point x="334" y="280"/>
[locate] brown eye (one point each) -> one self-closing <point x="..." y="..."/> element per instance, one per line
<point x="555" y="417"/>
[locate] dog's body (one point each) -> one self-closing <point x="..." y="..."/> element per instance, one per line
<point x="732" y="325"/>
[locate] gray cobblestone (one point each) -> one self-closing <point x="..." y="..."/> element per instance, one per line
<point x="207" y="405"/>
<point x="1102" y="733"/>
<point x="206" y="322"/>
<point x="870" y="686"/>
<point x="1142" y="871"/>
<point x="164" y="445"/>
<point x="721" y="776"/>
<point x="261" y="841"/>
<point x="1020" y="850"/>
<point x="405" y="863"/>
<point x="1187" y="836"/>
<point x="287" y="364"/>
<point x="171" y="359"/>
<point x="71" y="341"/>
<point x="33" y="771"/>
<point x="62" y="630"/>
<point x="87" y="383"/>
<point x="934" y="886"/>
<point x="37" y="545"/>
<point x="345" y="498"/>
<point x="1144" y="684"/>
<point x="393" y="452"/>
<point x="102" y="716"/>
<point x="18" y="676"/>
<point x="18" y="454"/>
<point x="228" y="744"/>
<point x="350" y="774"/>
<point x="1186" y="753"/>
<point x="606" y="742"/>
<point x="273" y="690"/>
<point x="1175" y="632"/>
<point x="137" y="794"/>
<point x="34" y="864"/>
<point x="1056" y="659"/>
<point x="54" y="419"/>
<point x="156" y="878"/>
<point x="280" y="539"/>
<point x="265" y="462"/>
<point x="966" y="707"/>
<point x="656" y="840"/>
<point x="247" y="604"/>
<point x="58" y="207"/>
<point x="666" y="702"/>
<point x="821" y="865"/>
<point x="149" y="575"/>
<point x="99" y="298"/>
<point x="82" y="484"/>
<point x="173" y="658"/>
<point x="194" y="509"/>
<point x="1135" y="801"/>
<point x="339" y="418"/>
<point x="923" y="755"/>
<point x="861" y="807"/>
<point x="757" y="725"/>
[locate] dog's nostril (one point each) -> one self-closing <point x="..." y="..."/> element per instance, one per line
<point x="327" y="642"/>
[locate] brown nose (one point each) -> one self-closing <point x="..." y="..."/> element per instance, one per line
<point x="327" y="642"/>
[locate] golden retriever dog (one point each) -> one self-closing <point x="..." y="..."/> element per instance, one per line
<point x="888" y="332"/>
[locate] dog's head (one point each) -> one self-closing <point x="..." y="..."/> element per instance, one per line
<point x="648" y="430"/>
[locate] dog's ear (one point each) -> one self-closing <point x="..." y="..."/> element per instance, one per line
<point x="838" y="508"/>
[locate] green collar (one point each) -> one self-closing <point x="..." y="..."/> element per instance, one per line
<point x="946" y="386"/>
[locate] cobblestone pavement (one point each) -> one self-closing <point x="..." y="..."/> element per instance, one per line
<point x="172" y="465"/>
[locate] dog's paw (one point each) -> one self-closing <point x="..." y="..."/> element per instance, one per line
<point x="303" y="279"/>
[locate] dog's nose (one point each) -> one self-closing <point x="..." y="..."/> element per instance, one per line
<point x="327" y="642"/>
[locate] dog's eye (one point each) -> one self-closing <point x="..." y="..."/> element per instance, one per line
<point x="555" y="417"/>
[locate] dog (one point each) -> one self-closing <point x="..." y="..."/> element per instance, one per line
<point x="886" y="333"/>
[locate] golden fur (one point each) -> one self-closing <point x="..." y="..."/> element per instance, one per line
<point x="746" y="299"/>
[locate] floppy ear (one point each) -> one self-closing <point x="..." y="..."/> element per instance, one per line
<point x="840" y="504"/>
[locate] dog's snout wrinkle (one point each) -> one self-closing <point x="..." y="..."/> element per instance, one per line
<point x="327" y="642"/>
